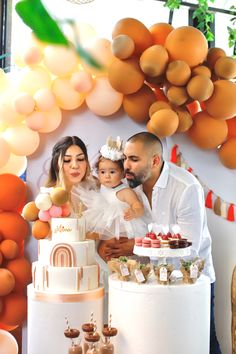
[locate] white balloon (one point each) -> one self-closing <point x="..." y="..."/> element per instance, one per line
<point x="8" y="343"/>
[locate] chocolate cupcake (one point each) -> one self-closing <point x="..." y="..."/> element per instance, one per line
<point x="71" y="333"/>
<point x="109" y="331"/>
<point x="183" y="243"/>
<point x="174" y="243"/>
<point x="92" y="337"/>
<point x="88" y="327"/>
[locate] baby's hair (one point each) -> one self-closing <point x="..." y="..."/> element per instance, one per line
<point x="119" y="163"/>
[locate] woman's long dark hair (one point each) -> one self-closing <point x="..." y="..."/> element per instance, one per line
<point x="58" y="153"/>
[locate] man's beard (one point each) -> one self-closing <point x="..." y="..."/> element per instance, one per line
<point x="138" y="179"/>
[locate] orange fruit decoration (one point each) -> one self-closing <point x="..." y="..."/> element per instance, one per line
<point x="164" y="122"/>
<point x="7" y="282"/>
<point x="156" y="106"/>
<point x="160" y="31"/>
<point x="136" y="30"/>
<point x="213" y="55"/>
<point x="137" y="104"/>
<point x="125" y="76"/>
<point x="178" y="73"/>
<point x="154" y="60"/>
<point x="12" y="192"/>
<point x="13" y="226"/>
<point x="222" y="103"/>
<point x="30" y="211"/>
<point x="200" y="87"/>
<point x="225" y="68"/>
<point x="21" y="269"/>
<point x="207" y="132"/>
<point x="40" y="229"/>
<point x="9" y="249"/>
<point x="14" y="309"/>
<point x="227" y="154"/>
<point x="188" y="44"/>
<point x="231" y="127"/>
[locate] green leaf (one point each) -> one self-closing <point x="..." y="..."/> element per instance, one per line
<point x="84" y="55"/>
<point x="35" y="16"/>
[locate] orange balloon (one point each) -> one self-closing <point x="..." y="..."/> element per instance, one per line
<point x="40" y="229"/>
<point x="188" y="44"/>
<point x="178" y="73"/>
<point x="213" y="55"/>
<point x="13" y="226"/>
<point x="7" y="282"/>
<point x="9" y="249"/>
<point x="21" y="269"/>
<point x="225" y="68"/>
<point x="164" y="122"/>
<point x="154" y="60"/>
<point x="12" y="192"/>
<point x="14" y="309"/>
<point x="185" y="120"/>
<point x="157" y="105"/>
<point x="222" y="103"/>
<point x="177" y="95"/>
<point x="201" y="70"/>
<point x="160" y="31"/>
<point x="231" y="127"/>
<point x="30" y="212"/>
<point x="207" y="132"/>
<point x="200" y="87"/>
<point x="227" y="154"/>
<point x="136" y="30"/>
<point x="137" y="104"/>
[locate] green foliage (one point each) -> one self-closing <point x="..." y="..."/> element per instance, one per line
<point x="232" y="30"/>
<point x="204" y="18"/>
<point x="173" y="4"/>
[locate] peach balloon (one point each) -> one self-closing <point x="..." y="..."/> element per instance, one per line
<point x="23" y="103"/>
<point x="136" y="30"/>
<point x="164" y="122"/>
<point x="22" y="140"/>
<point x="201" y="70"/>
<point x="222" y="103"/>
<point x="82" y="81"/>
<point x="178" y="73"/>
<point x="177" y="95"/>
<point x="125" y="76"/>
<point x="200" y="87"/>
<point x="5" y="152"/>
<point x="160" y="31"/>
<point x="8" y="343"/>
<point x="227" y="154"/>
<point x="225" y="68"/>
<point x="137" y="104"/>
<point x="8" y="115"/>
<point x="122" y="46"/>
<point x="35" y="120"/>
<point x="157" y="105"/>
<point x="154" y="60"/>
<point x="30" y="211"/>
<point x="104" y="100"/>
<point x="7" y="282"/>
<point x="33" y="79"/>
<point x="100" y="49"/>
<point x="66" y="97"/>
<point x="44" y="99"/>
<point x="15" y="165"/>
<point x="52" y="120"/>
<point x="188" y="44"/>
<point x="60" y="60"/>
<point x="207" y="132"/>
<point x="32" y="55"/>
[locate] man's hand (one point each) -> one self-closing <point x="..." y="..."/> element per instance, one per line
<point x="114" y="248"/>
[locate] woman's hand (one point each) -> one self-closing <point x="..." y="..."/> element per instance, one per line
<point x="114" y="248"/>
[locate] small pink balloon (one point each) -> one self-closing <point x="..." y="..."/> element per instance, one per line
<point x="82" y="81"/>
<point x="65" y="210"/>
<point x="35" y="120"/>
<point x="44" y="215"/>
<point x="55" y="211"/>
<point x="45" y="99"/>
<point x="23" y="103"/>
<point x="32" y="56"/>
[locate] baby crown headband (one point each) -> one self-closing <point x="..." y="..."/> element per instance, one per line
<point x="113" y="149"/>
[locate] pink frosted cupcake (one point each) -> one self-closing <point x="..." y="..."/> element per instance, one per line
<point x="138" y="241"/>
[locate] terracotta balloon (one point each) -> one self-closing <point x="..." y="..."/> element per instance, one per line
<point x="30" y="212"/>
<point x="207" y="132"/>
<point x="9" y="249"/>
<point x="14" y="309"/>
<point x="44" y="99"/>
<point x="136" y="30"/>
<point x="154" y="60"/>
<point x="13" y="226"/>
<point x="22" y="140"/>
<point x="160" y="31"/>
<point x="40" y="229"/>
<point x="82" y="81"/>
<point x="12" y="192"/>
<point x="164" y="122"/>
<point x="122" y="46"/>
<point x="200" y="87"/>
<point x="231" y="123"/>
<point x="66" y="97"/>
<point x="52" y="120"/>
<point x="104" y="100"/>
<point x="222" y="103"/>
<point x="201" y="70"/>
<point x="7" y="282"/>
<point x="120" y="74"/>
<point x="185" y="120"/>
<point x="178" y="73"/>
<point x="213" y="55"/>
<point x="60" y="60"/>
<point x="188" y="44"/>
<point x="225" y="68"/>
<point x="21" y="270"/>
<point x="59" y="196"/>
<point x="15" y="165"/>
<point x="156" y="106"/>
<point x="8" y="343"/>
<point x="5" y="152"/>
<point x="227" y="154"/>
<point x="23" y="103"/>
<point x="33" y="79"/>
<point x="177" y="95"/>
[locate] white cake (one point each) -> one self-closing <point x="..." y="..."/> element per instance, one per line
<point x="65" y="284"/>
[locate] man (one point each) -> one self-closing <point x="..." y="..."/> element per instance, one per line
<point x="171" y="195"/>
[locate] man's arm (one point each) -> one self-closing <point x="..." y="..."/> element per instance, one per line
<point x="114" y="248"/>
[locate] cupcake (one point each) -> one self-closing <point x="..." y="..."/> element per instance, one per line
<point x="155" y="243"/>
<point x="146" y="242"/>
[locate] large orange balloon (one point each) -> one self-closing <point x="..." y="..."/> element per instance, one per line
<point x="13" y="226"/>
<point x="9" y="249"/>
<point x="213" y="55"/>
<point x="14" y="309"/>
<point x="12" y="192"/>
<point x="160" y="31"/>
<point x="137" y="104"/>
<point x="40" y="229"/>
<point x="188" y="44"/>
<point x="154" y="60"/>
<point x="164" y="122"/>
<point x="21" y="269"/>
<point x="207" y="132"/>
<point x="227" y="153"/>
<point x="136" y="30"/>
<point x="222" y="103"/>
